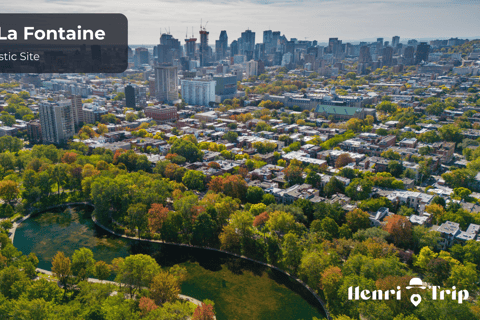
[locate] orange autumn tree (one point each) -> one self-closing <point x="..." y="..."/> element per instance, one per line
<point x="233" y="186"/>
<point x="146" y="305"/>
<point x="69" y="157"/>
<point x="204" y="312"/>
<point x="157" y="215"/>
<point x="400" y="229"/>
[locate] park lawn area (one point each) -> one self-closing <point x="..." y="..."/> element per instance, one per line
<point x="245" y="297"/>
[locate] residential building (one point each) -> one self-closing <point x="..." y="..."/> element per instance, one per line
<point x="166" y="84"/>
<point x="93" y="112"/>
<point x="56" y="120"/>
<point x="198" y="91"/>
<point x="252" y="68"/>
<point x="162" y="113"/>
<point x="77" y="107"/>
<point x="34" y="131"/>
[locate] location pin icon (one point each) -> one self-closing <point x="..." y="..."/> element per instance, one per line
<point x="415" y="299"/>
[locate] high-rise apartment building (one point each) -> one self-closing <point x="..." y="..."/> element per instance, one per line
<point x="365" y="56"/>
<point x="387" y="56"/>
<point x="198" y="91"/>
<point x="56" y="120"/>
<point x="204" y="57"/>
<point x="166" y="84"/>
<point x="77" y="112"/>
<point x="130" y="96"/>
<point x="251" y="68"/>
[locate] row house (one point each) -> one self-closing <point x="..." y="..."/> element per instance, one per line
<point x="415" y="200"/>
<point x="290" y="195"/>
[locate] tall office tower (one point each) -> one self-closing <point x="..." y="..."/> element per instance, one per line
<point x="268" y="41"/>
<point x="408" y="55"/>
<point x="77" y="112"/>
<point x="234" y="48"/>
<point x="276" y="39"/>
<point x="198" y="92"/>
<point x="422" y="52"/>
<point x="141" y="56"/>
<point x="191" y="48"/>
<point x="130" y="96"/>
<point x="259" y="53"/>
<point x="166" y="84"/>
<point x="203" y="46"/>
<point x="379" y="46"/>
<point x="387" y="56"/>
<point x="56" y="121"/>
<point x="395" y="41"/>
<point x="168" y="50"/>
<point x="334" y="46"/>
<point x="364" y="56"/>
<point x="221" y="46"/>
<point x="412" y="42"/>
<point x="246" y="42"/>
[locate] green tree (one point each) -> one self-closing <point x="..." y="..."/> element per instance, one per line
<point x="102" y="270"/>
<point x="137" y="271"/>
<point x="291" y="252"/>
<point x="395" y="168"/>
<point x="451" y="132"/>
<point x="194" y="180"/>
<point x="357" y="219"/>
<point x="254" y="194"/>
<point x="83" y="263"/>
<point x="186" y="149"/>
<point x="230" y="136"/>
<point x="204" y="230"/>
<point x="164" y="288"/>
<point x="359" y="189"/>
<point x="464" y="277"/>
<point x="333" y="186"/>
<point x="137" y="217"/>
<point x="61" y="267"/>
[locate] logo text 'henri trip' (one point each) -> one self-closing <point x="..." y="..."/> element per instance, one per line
<point x="415" y="283"/>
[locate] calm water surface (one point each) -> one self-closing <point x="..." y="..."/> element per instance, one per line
<point x="241" y="290"/>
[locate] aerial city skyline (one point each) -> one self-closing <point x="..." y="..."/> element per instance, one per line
<point x="352" y="21"/>
<point x="251" y="159"/>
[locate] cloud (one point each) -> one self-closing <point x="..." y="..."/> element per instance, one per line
<point x="312" y="19"/>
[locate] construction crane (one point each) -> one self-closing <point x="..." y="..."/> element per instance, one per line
<point x="203" y="27"/>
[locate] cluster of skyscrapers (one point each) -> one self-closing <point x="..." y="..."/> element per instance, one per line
<point x="197" y="62"/>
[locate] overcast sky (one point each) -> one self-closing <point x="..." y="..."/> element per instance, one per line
<point x="314" y="20"/>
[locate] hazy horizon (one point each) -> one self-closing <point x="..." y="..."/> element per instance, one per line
<point x="304" y="19"/>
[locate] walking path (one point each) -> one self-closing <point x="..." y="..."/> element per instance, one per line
<point x="93" y="280"/>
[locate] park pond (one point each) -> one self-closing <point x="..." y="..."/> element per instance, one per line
<point x="241" y="289"/>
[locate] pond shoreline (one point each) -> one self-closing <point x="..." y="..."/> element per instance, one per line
<point x="66" y="205"/>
